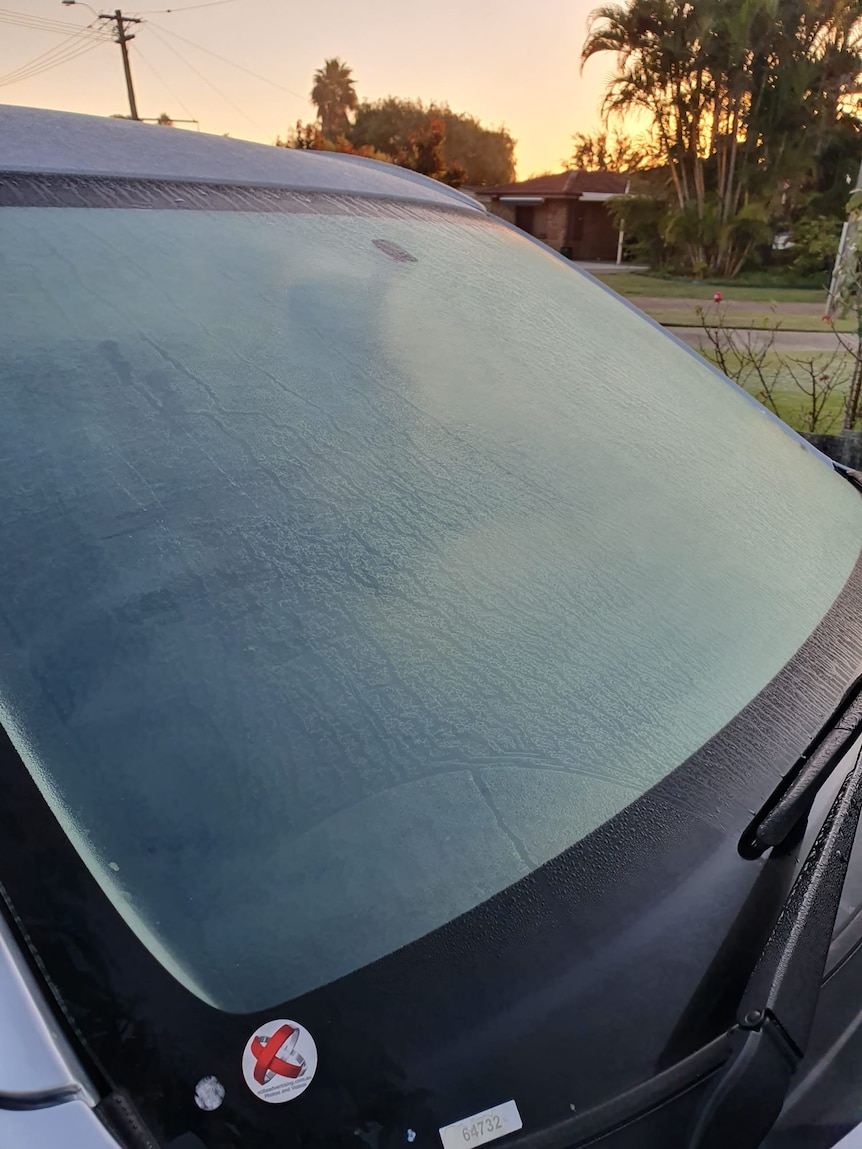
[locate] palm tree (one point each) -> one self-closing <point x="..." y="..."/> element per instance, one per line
<point x="740" y="96"/>
<point x="659" y="67"/>
<point x="334" y="93"/>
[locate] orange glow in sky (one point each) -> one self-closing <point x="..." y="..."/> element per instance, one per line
<point x="507" y="63"/>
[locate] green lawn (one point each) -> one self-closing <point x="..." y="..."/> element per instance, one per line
<point x="792" y="408"/>
<point x="790" y="401"/>
<point x="639" y="283"/>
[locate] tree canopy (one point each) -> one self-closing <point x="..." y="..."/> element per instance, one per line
<point x="309" y="137"/>
<point x="485" y="156"/>
<point x="609" y="152"/>
<point x="432" y="139"/>
<point x="752" y="106"/>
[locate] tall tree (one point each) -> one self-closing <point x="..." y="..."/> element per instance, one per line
<point x="741" y="96"/>
<point x="334" y="94"/>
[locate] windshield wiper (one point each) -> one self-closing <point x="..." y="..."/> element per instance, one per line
<point x="791" y="800"/>
<point x="777" y="1009"/>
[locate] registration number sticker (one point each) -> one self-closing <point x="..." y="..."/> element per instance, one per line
<point x="482" y="1127"/>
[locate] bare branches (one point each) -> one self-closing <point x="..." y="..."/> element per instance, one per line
<point x="817" y="382"/>
<point x="751" y="358"/>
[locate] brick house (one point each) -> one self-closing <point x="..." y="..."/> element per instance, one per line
<point x="567" y="211"/>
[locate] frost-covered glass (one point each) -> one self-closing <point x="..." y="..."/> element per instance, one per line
<point x="355" y="565"/>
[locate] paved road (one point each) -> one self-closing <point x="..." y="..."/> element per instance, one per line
<point x="784" y="340"/>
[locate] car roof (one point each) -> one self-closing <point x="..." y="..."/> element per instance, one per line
<point x="33" y="140"/>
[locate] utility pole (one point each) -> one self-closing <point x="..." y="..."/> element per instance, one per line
<point x="845" y="294"/>
<point x="846" y="266"/>
<point x="122" y="39"/>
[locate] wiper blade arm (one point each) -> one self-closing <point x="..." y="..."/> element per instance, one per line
<point x="777" y="1009"/>
<point x="791" y="800"/>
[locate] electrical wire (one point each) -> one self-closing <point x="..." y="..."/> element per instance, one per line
<point x="187" y="8"/>
<point x="41" y="23"/>
<point x="74" y="38"/>
<point x="68" y="49"/>
<point x="201" y="76"/>
<point x="53" y="62"/>
<point x="88" y="35"/>
<point x="147" y="63"/>
<point x="225" y="60"/>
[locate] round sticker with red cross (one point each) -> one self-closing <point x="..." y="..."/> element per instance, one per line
<point x="279" y="1061"/>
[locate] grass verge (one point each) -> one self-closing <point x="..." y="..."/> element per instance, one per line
<point x="639" y="283"/>
<point x="784" y="321"/>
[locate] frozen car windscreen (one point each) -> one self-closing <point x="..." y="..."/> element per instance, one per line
<point x="355" y="564"/>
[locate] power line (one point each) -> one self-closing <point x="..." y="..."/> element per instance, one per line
<point x="41" y="23"/>
<point x="28" y="72"/>
<point x="200" y="74"/>
<point x="187" y="8"/>
<point x="225" y="60"/>
<point x="88" y="37"/>
<point x="69" y="49"/>
<point x="74" y="38"/>
<point x="55" y="62"/>
<point x="139" y="54"/>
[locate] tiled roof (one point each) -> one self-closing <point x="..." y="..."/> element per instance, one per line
<point x="563" y="183"/>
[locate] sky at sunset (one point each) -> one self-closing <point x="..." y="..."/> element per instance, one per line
<point x="507" y="63"/>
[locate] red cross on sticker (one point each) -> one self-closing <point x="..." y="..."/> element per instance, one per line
<point x="279" y="1061"/>
<point x="266" y="1050"/>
